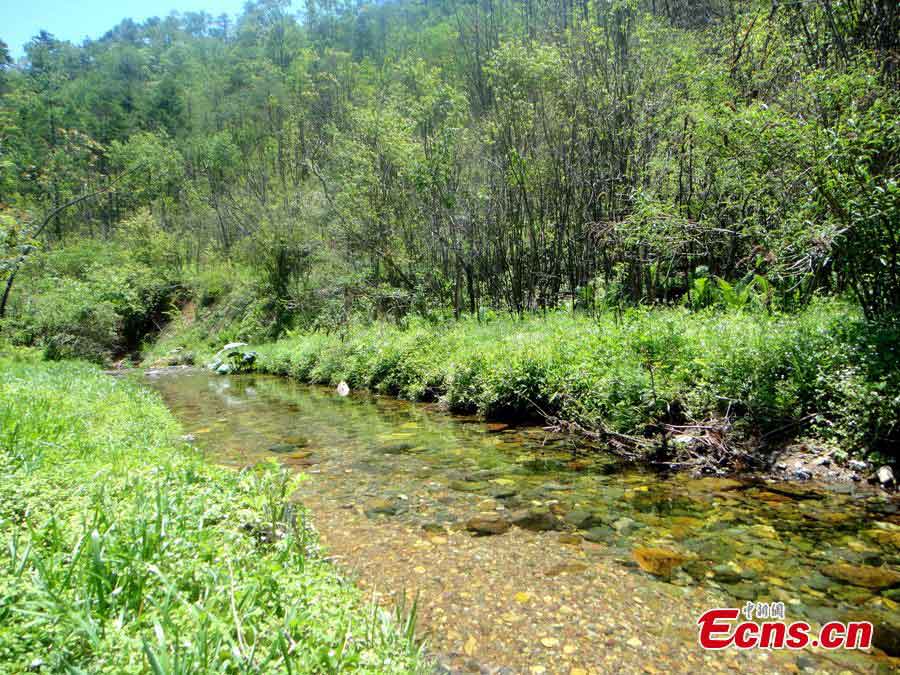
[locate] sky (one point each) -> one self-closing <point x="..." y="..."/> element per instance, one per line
<point x="75" y="20"/>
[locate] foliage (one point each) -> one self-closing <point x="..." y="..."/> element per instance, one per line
<point x="124" y="552"/>
<point x="89" y="301"/>
<point x="419" y="157"/>
<point x="826" y="365"/>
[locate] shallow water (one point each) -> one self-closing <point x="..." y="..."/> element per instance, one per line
<point x="395" y="461"/>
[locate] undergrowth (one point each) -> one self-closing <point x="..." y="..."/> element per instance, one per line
<point x="123" y="551"/>
<point x="823" y="371"/>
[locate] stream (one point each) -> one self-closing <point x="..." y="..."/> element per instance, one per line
<point x="393" y="489"/>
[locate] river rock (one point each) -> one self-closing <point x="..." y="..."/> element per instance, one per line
<point x="554" y="487"/>
<point x="468" y="486"/>
<point x="746" y="591"/>
<point x="885" y="476"/>
<point x="819" y="582"/>
<point x="398" y="448"/>
<point x="866" y="576"/>
<point x="570" y="539"/>
<point x="487" y="524"/>
<point x="657" y="561"/>
<point x="885" y="537"/>
<point x="284" y="448"/>
<point x="583" y="520"/>
<point x="600" y="534"/>
<point x="566" y="568"/>
<point x="536" y="520"/>
<point x="726" y="574"/>
<point x="625" y="526"/>
<point x="502" y="492"/>
<point x="384" y="507"/>
<point x="713" y="484"/>
<point x="857" y="465"/>
<point x="175" y="357"/>
<point x="794" y="491"/>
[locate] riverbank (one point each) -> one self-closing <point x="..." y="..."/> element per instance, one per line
<point x="721" y="388"/>
<point x="123" y="549"/>
<point x="730" y="386"/>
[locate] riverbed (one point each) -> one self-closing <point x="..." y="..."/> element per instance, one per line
<point x="406" y="498"/>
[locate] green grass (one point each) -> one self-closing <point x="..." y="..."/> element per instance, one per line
<point x="824" y="365"/>
<point x="122" y="551"/>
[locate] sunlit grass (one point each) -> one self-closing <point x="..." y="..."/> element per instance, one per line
<point x="123" y="551"/>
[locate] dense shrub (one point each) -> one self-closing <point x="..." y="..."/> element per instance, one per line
<point x="88" y="303"/>
<point x="825" y="366"/>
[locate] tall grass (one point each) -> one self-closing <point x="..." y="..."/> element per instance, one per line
<point x="825" y="366"/>
<point x="122" y="551"/>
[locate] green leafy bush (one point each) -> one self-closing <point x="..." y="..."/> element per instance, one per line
<point x="826" y="367"/>
<point x="88" y="301"/>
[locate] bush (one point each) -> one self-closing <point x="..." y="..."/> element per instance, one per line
<point x="825" y="367"/>
<point x="87" y="302"/>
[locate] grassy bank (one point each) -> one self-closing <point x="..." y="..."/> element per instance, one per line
<point x="123" y="551"/>
<point x="823" y="371"/>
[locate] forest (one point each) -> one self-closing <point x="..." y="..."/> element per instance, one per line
<point x="669" y="229"/>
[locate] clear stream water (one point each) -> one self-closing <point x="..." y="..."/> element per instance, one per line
<point x="752" y="539"/>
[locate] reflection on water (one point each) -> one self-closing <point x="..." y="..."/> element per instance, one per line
<point x="827" y="551"/>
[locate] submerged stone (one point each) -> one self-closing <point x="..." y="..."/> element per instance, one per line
<point x="819" y="582"/>
<point x="566" y="568"/>
<point x="886" y="630"/>
<point x="502" y="492"/>
<point x="885" y="537"/>
<point x="537" y="520"/>
<point x="726" y="574"/>
<point x="712" y="484"/>
<point x="468" y="486"/>
<point x="284" y="448"/>
<point x="865" y="576"/>
<point x="657" y="561"/>
<point x="488" y="523"/>
<point x="570" y="539"/>
<point x="600" y="534"/>
<point x="384" y="507"/>
<point x="625" y="526"/>
<point x="794" y="491"/>
<point x="747" y="591"/>
<point x="396" y="448"/>
<point x="583" y="520"/>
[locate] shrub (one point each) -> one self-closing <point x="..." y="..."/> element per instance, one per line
<point x="825" y="370"/>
